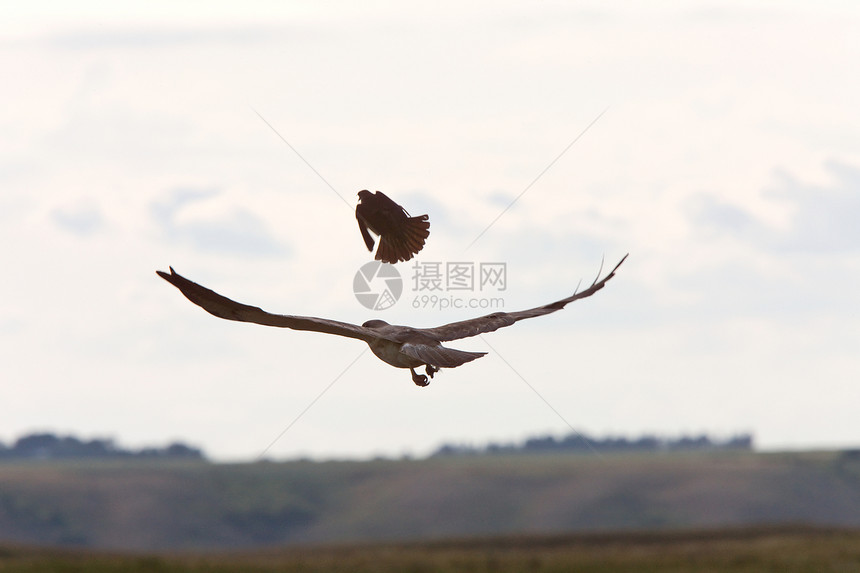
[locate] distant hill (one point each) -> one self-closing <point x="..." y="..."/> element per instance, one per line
<point x="139" y="504"/>
<point x="46" y="446"/>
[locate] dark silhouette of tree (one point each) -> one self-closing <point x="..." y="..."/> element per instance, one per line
<point x="51" y="446"/>
<point x="579" y="443"/>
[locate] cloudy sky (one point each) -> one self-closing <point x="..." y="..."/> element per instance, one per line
<point x="725" y="158"/>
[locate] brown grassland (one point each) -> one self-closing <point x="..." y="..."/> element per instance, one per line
<point x="747" y="549"/>
<point x="667" y="513"/>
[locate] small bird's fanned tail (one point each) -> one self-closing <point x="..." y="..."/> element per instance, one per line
<point x="406" y="242"/>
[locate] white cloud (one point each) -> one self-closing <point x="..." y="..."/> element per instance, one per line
<point x="229" y="230"/>
<point x="80" y="219"/>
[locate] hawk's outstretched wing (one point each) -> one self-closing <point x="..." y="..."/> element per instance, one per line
<point x="497" y="320"/>
<point x="223" y="307"/>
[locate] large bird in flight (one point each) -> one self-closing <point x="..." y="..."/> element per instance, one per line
<point x="400" y="236"/>
<point x="399" y="346"/>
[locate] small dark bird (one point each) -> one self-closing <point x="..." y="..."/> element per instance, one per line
<point x="400" y="236"/>
<point x="399" y="346"/>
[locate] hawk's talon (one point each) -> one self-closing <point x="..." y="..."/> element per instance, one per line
<point x="419" y="379"/>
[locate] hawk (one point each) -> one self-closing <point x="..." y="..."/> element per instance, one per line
<point x="399" y="346"/>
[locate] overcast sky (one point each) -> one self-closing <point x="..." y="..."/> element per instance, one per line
<point x="726" y="161"/>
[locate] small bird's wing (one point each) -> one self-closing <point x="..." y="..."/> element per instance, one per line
<point x="497" y="320"/>
<point x="386" y="203"/>
<point x="223" y="307"/>
<point x="362" y="226"/>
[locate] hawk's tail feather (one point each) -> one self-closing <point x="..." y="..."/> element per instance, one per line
<point x="439" y="356"/>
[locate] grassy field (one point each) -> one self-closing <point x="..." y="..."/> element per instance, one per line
<point x="782" y="549"/>
<point x="212" y="509"/>
<point x="153" y="508"/>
